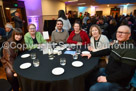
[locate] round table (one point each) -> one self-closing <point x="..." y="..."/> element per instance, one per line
<point x="41" y="78"/>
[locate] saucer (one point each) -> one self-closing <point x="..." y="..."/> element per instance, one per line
<point x="58" y="71"/>
<point x="77" y="63"/>
<point x="25" y="55"/>
<point x="25" y="65"/>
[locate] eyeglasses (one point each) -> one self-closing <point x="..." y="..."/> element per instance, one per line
<point x="94" y="30"/>
<point x="32" y="28"/>
<point x="122" y="32"/>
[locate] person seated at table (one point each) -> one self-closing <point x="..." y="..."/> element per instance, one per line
<point x="78" y="36"/>
<point x="11" y="49"/>
<point x="121" y="66"/>
<point x="33" y="37"/>
<point x="2" y="32"/>
<point x="98" y="41"/>
<point x="9" y="30"/>
<point x="59" y="35"/>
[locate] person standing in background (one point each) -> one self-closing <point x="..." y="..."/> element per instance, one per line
<point x="18" y="22"/>
<point x="66" y="22"/>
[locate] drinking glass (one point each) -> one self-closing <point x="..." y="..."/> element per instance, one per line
<point x="33" y="55"/>
<point x="63" y="61"/>
<point x="59" y="52"/>
<point x="50" y="51"/>
<point x="75" y="56"/>
<point x="51" y="57"/>
<point x="36" y="62"/>
<point x="78" y="51"/>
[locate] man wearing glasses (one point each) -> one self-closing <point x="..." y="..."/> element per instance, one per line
<point x="121" y="66"/>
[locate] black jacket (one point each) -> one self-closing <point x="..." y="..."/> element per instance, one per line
<point x="18" y="22"/>
<point x="121" y="65"/>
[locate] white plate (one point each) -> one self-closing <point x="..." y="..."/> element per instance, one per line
<point x="77" y="63"/>
<point x="25" y="65"/>
<point x="85" y="52"/>
<point x="25" y="55"/>
<point x="58" y="71"/>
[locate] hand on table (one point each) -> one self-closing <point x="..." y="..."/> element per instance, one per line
<point x="88" y="55"/>
<point x="101" y="79"/>
<point x="15" y="74"/>
<point x="90" y="48"/>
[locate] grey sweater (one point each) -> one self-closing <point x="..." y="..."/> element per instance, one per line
<point x="59" y="36"/>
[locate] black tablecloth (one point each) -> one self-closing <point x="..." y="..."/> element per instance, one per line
<point x="41" y="78"/>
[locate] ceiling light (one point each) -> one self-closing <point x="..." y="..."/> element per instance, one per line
<point x="73" y="1"/>
<point x="81" y="3"/>
<point x="108" y="5"/>
<point x="7" y="8"/>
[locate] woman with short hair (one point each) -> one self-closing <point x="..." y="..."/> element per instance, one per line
<point x="98" y="41"/>
<point x="78" y="36"/>
<point x="33" y="37"/>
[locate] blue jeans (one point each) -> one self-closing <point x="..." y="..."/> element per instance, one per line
<point x="104" y="86"/>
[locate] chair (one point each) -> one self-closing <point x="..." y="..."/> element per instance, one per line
<point x="4" y="85"/>
<point x="133" y="82"/>
<point x="1" y="54"/>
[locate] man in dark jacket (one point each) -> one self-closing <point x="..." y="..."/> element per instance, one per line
<point x="121" y="65"/>
<point x="9" y="29"/>
<point x="17" y="20"/>
<point x="2" y="32"/>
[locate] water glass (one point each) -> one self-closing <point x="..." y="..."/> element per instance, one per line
<point x="51" y="57"/>
<point x="75" y="56"/>
<point x="78" y="51"/>
<point x="50" y="51"/>
<point x="59" y="52"/>
<point x="63" y="61"/>
<point x="36" y="62"/>
<point x="33" y="55"/>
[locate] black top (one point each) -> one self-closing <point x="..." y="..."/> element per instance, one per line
<point x="35" y="41"/>
<point x="96" y="42"/>
<point x="18" y="22"/>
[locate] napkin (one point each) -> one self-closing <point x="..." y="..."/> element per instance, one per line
<point x="70" y="52"/>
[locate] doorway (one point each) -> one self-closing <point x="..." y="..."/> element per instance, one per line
<point x="1" y="18"/>
<point x="99" y="13"/>
<point x="10" y="8"/>
<point x="115" y="12"/>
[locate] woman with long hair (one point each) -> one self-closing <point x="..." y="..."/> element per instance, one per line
<point x="66" y="22"/>
<point x="11" y="49"/>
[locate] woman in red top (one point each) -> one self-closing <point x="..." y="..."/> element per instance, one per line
<point x="78" y="36"/>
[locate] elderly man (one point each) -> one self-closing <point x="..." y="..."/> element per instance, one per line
<point x="59" y="35"/>
<point x="8" y="29"/>
<point x="121" y="66"/>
